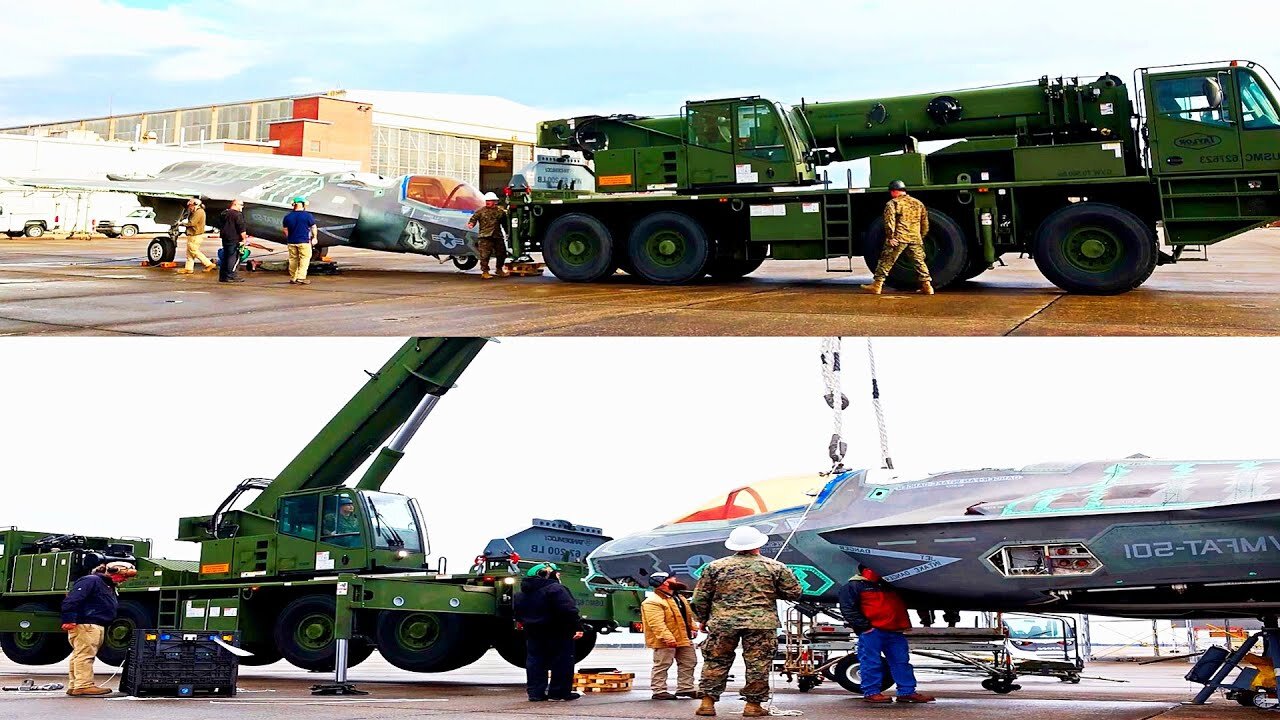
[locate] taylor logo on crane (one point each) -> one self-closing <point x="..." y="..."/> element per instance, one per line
<point x="1198" y="141"/>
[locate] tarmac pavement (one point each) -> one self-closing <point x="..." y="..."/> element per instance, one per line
<point x="51" y="286"/>
<point x="491" y="688"/>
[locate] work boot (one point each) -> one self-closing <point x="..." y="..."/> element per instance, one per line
<point x="707" y="708"/>
<point x="690" y="694"/>
<point x="875" y="288"/>
<point x="485" y="275"/>
<point x="917" y="698"/>
<point x="926" y="288"/>
<point x="877" y="699"/>
<point x="662" y="696"/>
<point x="185" y="271"/>
<point x="91" y="691"/>
<point x="754" y="710"/>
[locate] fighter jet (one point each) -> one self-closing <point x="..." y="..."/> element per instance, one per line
<point x="417" y="214"/>
<point x="1130" y="538"/>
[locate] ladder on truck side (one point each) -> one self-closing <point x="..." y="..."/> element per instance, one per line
<point x="837" y="227"/>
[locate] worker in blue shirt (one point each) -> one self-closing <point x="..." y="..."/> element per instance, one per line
<point x="300" y="234"/>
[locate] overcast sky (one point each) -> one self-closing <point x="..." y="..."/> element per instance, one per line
<point x="123" y="437"/>
<point x="79" y="58"/>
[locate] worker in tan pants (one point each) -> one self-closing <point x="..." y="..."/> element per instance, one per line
<point x="300" y="235"/>
<point x="88" y="608"/>
<point x="669" y="629"/>
<point x="195" y="238"/>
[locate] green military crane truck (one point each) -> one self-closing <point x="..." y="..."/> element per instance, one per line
<point x="311" y="564"/>
<point x="1099" y="186"/>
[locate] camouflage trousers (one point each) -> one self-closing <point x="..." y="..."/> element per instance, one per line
<point x="491" y="247"/>
<point x="889" y="257"/>
<point x="758" y="649"/>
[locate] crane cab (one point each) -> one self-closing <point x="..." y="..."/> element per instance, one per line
<point x="325" y="532"/>
<point x="743" y="141"/>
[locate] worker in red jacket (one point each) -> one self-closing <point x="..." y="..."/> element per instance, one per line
<point x="878" y="615"/>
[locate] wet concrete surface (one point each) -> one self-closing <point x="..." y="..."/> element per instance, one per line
<point x="491" y="688"/>
<point x="83" y="287"/>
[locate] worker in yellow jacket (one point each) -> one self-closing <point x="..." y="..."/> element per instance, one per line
<point x="669" y="628"/>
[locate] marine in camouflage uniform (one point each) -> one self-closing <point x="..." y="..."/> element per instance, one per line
<point x="737" y="601"/>
<point x="490" y="244"/>
<point x="906" y="224"/>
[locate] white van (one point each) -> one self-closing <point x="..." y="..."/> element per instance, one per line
<point x="30" y="214"/>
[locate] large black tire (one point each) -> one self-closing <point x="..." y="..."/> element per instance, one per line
<point x="304" y="635"/>
<point x="161" y="250"/>
<point x="977" y="266"/>
<point x="1096" y="249"/>
<point x="728" y="269"/>
<point x="511" y="646"/>
<point x="35" y="648"/>
<point x="846" y="673"/>
<point x="669" y="248"/>
<point x="579" y="248"/>
<point x="946" y="253"/>
<point x="130" y="616"/>
<point x="264" y="654"/>
<point x="432" y="642"/>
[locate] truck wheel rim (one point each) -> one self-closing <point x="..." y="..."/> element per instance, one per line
<point x="417" y="632"/>
<point x="119" y="634"/>
<point x="576" y="248"/>
<point x="666" y="248"/>
<point x="26" y="640"/>
<point x="156" y="252"/>
<point x="314" y="632"/>
<point x="1093" y="249"/>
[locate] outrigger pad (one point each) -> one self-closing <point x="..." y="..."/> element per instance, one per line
<point x="337" y="689"/>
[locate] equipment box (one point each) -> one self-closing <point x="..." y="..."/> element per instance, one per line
<point x="171" y="663"/>
<point x="774" y="222"/>
<point x="1069" y="162"/>
<point x="908" y="167"/>
<point x="217" y="614"/>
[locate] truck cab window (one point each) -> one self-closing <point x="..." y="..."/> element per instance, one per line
<point x="758" y="132"/>
<point x="341" y="522"/>
<point x="709" y="127"/>
<point x="1197" y="99"/>
<point x="1258" y="111"/>
<point x="298" y="517"/>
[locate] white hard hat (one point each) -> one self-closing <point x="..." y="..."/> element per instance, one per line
<point x="746" y="538"/>
<point x="490" y="197"/>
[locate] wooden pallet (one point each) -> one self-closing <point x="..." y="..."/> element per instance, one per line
<point x="603" y="682"/>
<point x="525" y="269"/>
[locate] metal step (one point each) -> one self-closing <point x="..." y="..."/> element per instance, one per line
<point x="1198" y="253"/>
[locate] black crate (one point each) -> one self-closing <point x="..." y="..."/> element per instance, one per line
<point x="174" y="663"/>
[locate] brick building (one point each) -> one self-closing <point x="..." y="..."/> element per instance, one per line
<point x="478" y="139"/>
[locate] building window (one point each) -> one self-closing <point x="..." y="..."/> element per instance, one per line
<point x="233" y="122"/>
<point x="127" y="128"/>
<point x="270" y="112"/>
<point x="398" y="151"/>
<point x="197" y="125"/>
<point x="162" y="125"/>
<point x="101" y="127"/>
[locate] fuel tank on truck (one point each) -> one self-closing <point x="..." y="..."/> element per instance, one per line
<point x="1135" y="537"/>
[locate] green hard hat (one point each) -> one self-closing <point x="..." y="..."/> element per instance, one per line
<point x="533" y="571"/>
<point x="897" y="185"/>
<point x="299" y="199"/>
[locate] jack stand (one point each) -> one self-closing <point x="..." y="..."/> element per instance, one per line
<point x="339" y="686"/>
<point x="1215" y="665"/>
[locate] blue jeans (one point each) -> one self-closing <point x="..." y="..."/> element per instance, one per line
<point x="892" y="646"/>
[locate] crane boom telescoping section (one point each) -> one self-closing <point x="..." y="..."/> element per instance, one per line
<point x="1046" y="113"/>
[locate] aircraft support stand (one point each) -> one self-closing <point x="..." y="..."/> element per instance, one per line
<point x="1270" y="637"/>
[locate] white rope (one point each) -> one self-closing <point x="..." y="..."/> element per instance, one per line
<point x="885" y="457"/>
